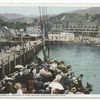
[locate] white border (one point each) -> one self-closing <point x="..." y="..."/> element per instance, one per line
<point x="67" y="3"/>
<point x="53" y="4"/>
<point x="51" y="96"/>
<point x="49" y="1"/>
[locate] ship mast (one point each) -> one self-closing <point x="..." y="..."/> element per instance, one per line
<point x="43" y="29"/>
<point x="42" y="23"/>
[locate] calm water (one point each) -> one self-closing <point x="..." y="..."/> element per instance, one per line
<point x="84" y="59"/>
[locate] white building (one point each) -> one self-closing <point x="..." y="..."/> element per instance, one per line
<point x="30" y="29"/>
<point x="62" y="37"/>
<point x="33" y="30"/>
<point x="83" y="28"/>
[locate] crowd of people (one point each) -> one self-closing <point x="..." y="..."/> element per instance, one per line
<point x="50" y="77"/>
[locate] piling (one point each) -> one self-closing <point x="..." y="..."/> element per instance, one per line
<point x="14" y="55"/>
<point x="9" y="65"/>
<point x="3" y="69"/>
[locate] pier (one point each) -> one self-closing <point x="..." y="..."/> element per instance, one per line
<point x="17" y="55"/>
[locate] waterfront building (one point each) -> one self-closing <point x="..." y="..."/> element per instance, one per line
<point x="61" y="37"/>
<point x="31" y="34"/>
<point x="30" y="29"/>
<point x="26" y="37"/>
<point x="82" y="28"/>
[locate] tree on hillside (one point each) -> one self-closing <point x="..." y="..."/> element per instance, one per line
<point x="2" y="23"/>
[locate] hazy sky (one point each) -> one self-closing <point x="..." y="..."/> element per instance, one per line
<point x="31" y="10"/>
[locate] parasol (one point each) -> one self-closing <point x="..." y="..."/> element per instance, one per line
<point x="8" y="78"/>
<point x="19" y="66"/>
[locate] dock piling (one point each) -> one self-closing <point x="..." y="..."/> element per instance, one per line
<point x="3" y="69"/>
<point x="9" y="64"/>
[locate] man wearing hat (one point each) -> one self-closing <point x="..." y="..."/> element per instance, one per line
<point x="80" y="85"/>
<point x="73" y="90"/>
<point x="44" y="72"/>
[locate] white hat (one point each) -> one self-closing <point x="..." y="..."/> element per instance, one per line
<point x="73" y="78"/>
<point x="75" y="81"/>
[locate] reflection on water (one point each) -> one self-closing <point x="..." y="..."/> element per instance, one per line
<point x="84" y="59"/>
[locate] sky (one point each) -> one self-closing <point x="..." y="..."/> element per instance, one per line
<point x="34" y="10"/>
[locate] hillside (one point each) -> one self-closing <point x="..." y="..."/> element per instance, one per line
<point x="92" y="11"/>
<point x="10" y="16"/>
<point x="71" y="17"/>
<point x="3" y="18"/>
<point x="23" y="19"/>
<point x="90" y="14"/>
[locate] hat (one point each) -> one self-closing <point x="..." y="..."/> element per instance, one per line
<point x="17" y="85"/>
<point x="51" y="60"/>
<point x="68" y="76"/>
<point x="46" y="64"/>
<point x="75" y="81"/>
<point x="73" y="78"/>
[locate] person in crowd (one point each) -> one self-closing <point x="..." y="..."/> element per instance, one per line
<point x="73" y="89"/>
<point x="58" y="77"/>
<point x="66" y="82"/>
<point x="75" y="83"/>
<point x="18" y="87"/>
<point x="34" y="71"/>
<point x="53" y="66"/>
<point x="45" y="73"/>
<point x="55" y="87"/>
<point x="8" y="88"/>
<point x="18" y="78"/>
<point x="30" y="81"/>
<point x="38" y="60"/>
<point x="24" y="89"/>
<point x="87" y="89"/>
<point x="62" y="67"/>
<point x="49" y="77"/>
<point x="80" y="85"/>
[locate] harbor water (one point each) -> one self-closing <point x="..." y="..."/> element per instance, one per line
<point x="84" y="59"/>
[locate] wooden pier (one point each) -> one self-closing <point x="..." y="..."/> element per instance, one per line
<point x="12" y="57"/>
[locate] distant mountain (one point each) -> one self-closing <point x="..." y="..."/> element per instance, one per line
<point x="64" y="17"/>
<point x="83" y="15"/>
<point x="23" y="19"/>
<point x="74" y="16"/>
<point x="10" y="16"/>
<point x="92" y="11"/>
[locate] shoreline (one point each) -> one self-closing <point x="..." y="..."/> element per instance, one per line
<point x="70" y="42"/>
